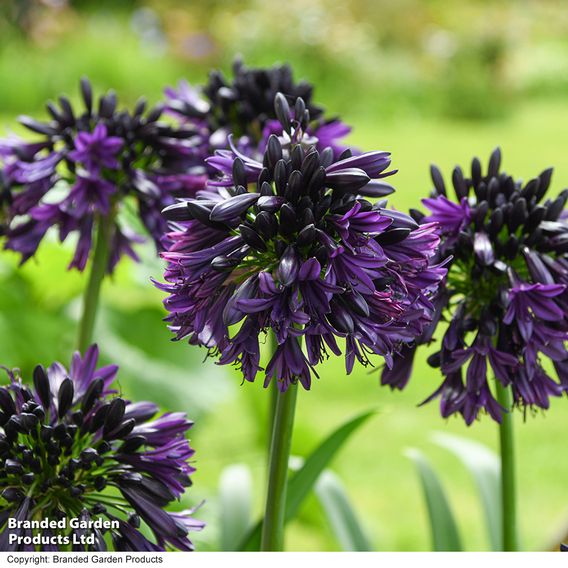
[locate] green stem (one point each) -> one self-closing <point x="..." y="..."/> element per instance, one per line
<point x="508" y="480"/>
<point x="273" y="524"/>
<point x="273" y="391"/>
<point x="98" y="271"/>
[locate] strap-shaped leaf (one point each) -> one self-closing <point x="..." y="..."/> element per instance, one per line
<point x="303" y="481"/>
<point x="340" y="513"/>
<point x="483" y="464"/>
<point x="445" y="534"/>
<point x="235" y="501"/>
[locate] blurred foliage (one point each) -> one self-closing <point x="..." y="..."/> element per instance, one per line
<point x="428" y="80"/>
<point x="132" y="333"/>
<point x="469" y="59"/>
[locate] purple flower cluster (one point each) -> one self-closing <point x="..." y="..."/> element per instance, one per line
<point x="290" y="244"/>
<point x="70" y="447"/>
<point x="244" y="108"/>
<point x="101" y="162"/>
<point x="505" y="298"/>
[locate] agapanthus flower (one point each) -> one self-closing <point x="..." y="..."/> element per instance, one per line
<point x="505" y="298"/>
<point x="291" y="244"/>
<point x="72" y="448"/>
<point x="244" y="107"/>
<point x="92" y="163"/>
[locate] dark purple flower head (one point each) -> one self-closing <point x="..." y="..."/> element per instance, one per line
<point x="291" y="244"/>
<point x="96" y="162"/>
<point x="505" y="296"/>
<point x="71" y="447"/>
<point x="244" y="107"/>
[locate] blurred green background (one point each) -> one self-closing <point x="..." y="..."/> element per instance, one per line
<point x="428" y="80"/>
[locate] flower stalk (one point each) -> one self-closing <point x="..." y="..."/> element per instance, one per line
<point x="96" y="277"/>
<point x="274" y="392"/>
<point x="508" y="477"/>
<point x="273" y="526"/>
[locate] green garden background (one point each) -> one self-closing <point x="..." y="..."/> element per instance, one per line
<point x="428" y="80"/>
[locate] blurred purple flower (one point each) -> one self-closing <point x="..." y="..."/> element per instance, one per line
<point x="244" y="108"/>
<point x="95" y="163"/>
<point x="70" y="439"/>
<point x="97" y="150"/>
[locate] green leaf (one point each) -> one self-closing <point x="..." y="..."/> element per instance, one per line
<point x="445" y="534"/>
<point x="302" y="482"/>
<point x="235" y="500"/>
<point x="340" y="514"/>
<point x="483" y="464"/>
